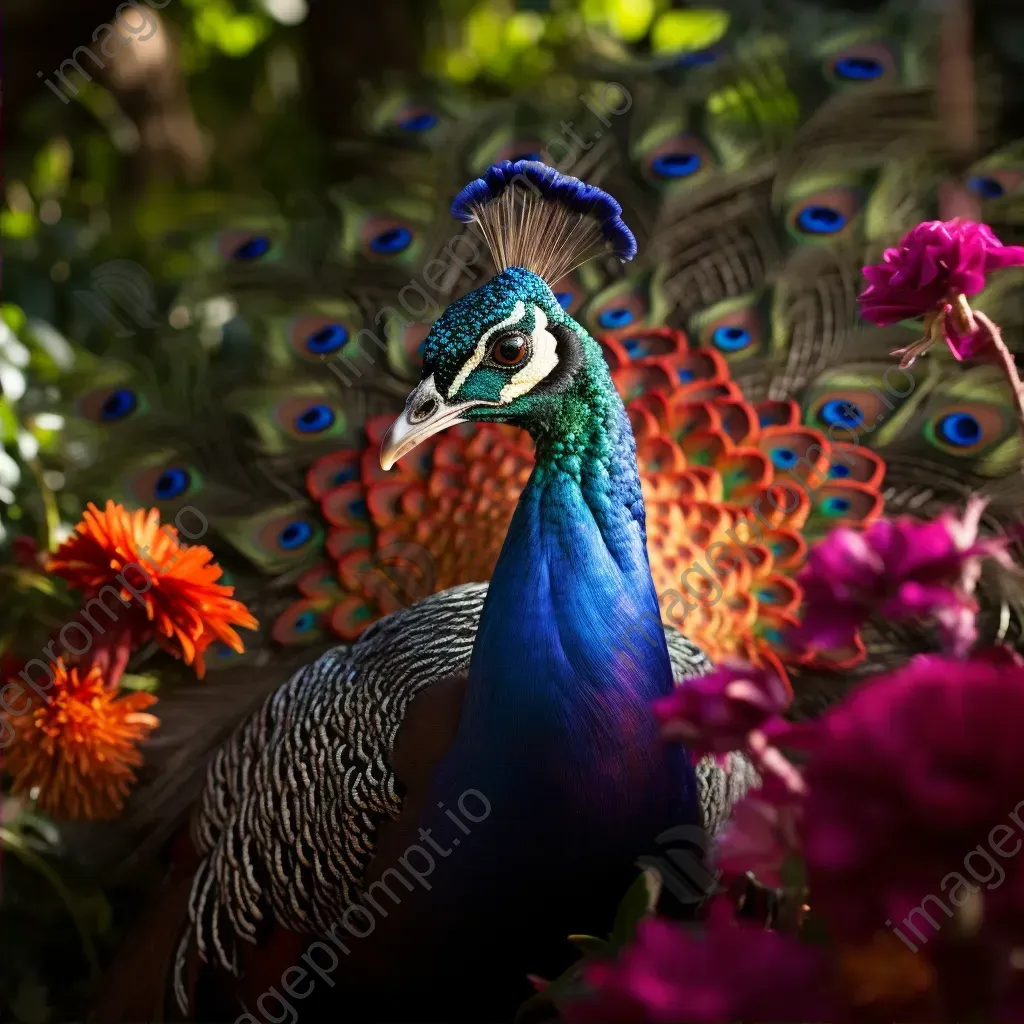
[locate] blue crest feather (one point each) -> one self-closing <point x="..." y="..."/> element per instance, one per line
<point x="535" y="217"/>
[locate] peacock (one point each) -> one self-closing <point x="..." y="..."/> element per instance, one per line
<point x="469" y="600"/>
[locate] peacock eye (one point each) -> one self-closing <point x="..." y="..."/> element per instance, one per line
<point x="510" y="350"/>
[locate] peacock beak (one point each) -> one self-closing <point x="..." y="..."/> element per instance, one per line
<point x="426" y="413"/>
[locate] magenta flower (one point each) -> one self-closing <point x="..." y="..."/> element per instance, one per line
<point x="758" y="837"/>
<point x="896" y="569"/>
<point x="714" y="714"/>
<point x="735" y="708"/>
<point x="915" y="795"/>
<point x="730" y="973"/>
<point x="930" y="273"/>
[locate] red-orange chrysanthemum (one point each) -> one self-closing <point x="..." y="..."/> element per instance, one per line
<point x="170" y="589"/>
<point x="80" y="746"/>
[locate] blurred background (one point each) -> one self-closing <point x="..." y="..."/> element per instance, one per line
<point x="199" y="120"/>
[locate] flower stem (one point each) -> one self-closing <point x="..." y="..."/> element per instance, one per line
<point x="1004" y="357"/>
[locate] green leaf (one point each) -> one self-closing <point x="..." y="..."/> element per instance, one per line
<point x="13" y="316"/>
<point x="8" y="422"/>
<point x="146" y="684"/>
<point x="20" y="849"/>
<point x="639" y="902"/>
<point x="18" y="224"/>
<point x="52" y="169"/>
<point x="24" y="579"/>
<point x="589" y="945"/>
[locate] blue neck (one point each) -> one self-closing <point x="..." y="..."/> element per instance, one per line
<point x="557" y="721"/>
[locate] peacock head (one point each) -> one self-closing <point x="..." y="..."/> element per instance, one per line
<point x="507" y="352"/>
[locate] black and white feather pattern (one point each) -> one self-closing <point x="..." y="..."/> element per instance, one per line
<point x="292" y="802"/>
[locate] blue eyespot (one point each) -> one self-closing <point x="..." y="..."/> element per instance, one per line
<point x="960" y="429"/>
<point x="839" y="471"/>
<point x="171" y="483"/>
<point x="821" y="220"/>
<point x="345" y="476"/>
<point x="784" y="458"/>
<point x="696" y="58"/>
<point x="676" y="165"/>
<point x="118" y="404"/>
<point x="294" y="535"/>
<point x="631" y="345"/>
<point x="223" y="652"/>
<point x="327" y="339"/>
<point x="357" y="508"/>
<point x="253" y="249"/>
<point x="685" y="376"/>
<point x="315" y="419"/>
<point x="420" y="122"/>
<point x="392" y="241"/>
<point x="773" y="636"/>
<point x="564" y="299"/>
<point x="615" y="318"/>
<point x="764" y="419"/>
<point x="987" y="188"/>
<point x="305" y="622"/>
<point x="858" y="69"/>
<point x="837" y="412"/>
<point x="835" y="506"/>
<point x="730" y="339"/>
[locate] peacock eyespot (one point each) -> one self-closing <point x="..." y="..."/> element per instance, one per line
<point x="960" y="429"/>
<point x="821" y="220"/>
<point x="730" y="338"/>
<point x="305" y="622"/>
<point x="253" y="248"/>
<point x="839" y="471"/>
<point x="418" y="121"/>
<point x="986" y="187"/>
<point x="696" y="59"/>
<point x="315" y="419"/>
<point x="327" y="339"/>
<point x="839" y="413"/>
<point x="509" y="350"/>
<point x="294" y="535"/>
<point x="118" y="405"/>
<point x="614" y="318"/>
<point x="171" y="483"/>
<point x="392" y="241"/>
<point x="676" y="165"/>
<point x="858" y="69"/>
<point x="784" y="458"/>
<point x="835" y="506"/>
<point x="564" y="299"/>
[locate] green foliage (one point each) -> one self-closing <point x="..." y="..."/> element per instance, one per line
<point x="640" y="901"/>
<point x="60" y="919"/>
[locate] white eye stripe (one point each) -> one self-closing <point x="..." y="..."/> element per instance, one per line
<point x="543" y="360"/>
<point x="476" y="358"/>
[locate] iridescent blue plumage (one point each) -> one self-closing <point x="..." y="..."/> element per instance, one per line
<point x="556" y="726"/>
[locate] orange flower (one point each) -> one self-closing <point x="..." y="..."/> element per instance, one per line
<point x="170" y="589"/>
<point x="79" y="746"/>
<point x="885" y="971"/>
